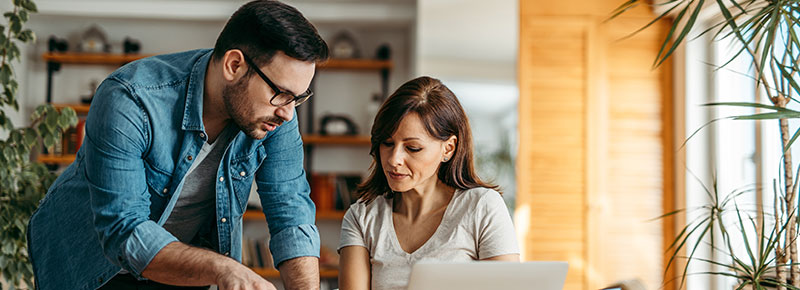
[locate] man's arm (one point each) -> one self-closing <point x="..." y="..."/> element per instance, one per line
<point x="283" y="190"/>
<point x="300" y="273"/>
<point x="181" y="265"/>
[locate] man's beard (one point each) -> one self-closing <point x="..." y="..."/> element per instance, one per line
<point x="238" y="107"/>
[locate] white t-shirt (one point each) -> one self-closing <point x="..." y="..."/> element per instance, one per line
<point x="476" y="225"/>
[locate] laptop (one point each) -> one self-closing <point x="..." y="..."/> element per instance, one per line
<point x="488" y="275"/>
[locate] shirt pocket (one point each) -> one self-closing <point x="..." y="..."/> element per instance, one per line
<point x="242" y="172"/>
<point x="158" y="183"/>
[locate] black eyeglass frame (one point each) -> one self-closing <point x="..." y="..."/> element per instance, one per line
<point x="299" y="100"/>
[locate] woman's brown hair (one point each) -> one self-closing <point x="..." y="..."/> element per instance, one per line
<point x="442" y="116"/>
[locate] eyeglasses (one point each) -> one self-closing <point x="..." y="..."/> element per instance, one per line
<point x="281" y="98"/>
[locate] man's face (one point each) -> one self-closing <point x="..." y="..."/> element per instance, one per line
<point x="247" y="101"/>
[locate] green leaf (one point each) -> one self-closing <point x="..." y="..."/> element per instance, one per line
<point x="8" y="152"/>
<point x="51" y="120"/>
<point x="29" y="5"/>
<point x="750" y="105"/>
<point x="5" y="74"/>
<point x="38" y="112"/>
<point x="686" y="28"/>
<point x="769" y="116"/>
<point x="16" y="23"/>
<point x="30" y="137"/>
<point x="23" y="15"/>
<point x="791" y="141"/>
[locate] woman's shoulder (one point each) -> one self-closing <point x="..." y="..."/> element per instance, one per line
<point x="361" y="208"/>
<point x="478" y="196"/>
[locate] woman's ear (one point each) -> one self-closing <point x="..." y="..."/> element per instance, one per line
<point x="233" y="65"/>
<point x="449" y="148"/>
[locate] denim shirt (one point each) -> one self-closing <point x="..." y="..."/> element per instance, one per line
<point x="105" y="212"/>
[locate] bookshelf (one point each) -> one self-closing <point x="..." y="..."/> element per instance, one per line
<point x="313" y="139"/>
<point x="356" y="64"/>
<point x="90" y="58"/>
<point x="56" y="159"/>
<point x="80" y="109"/>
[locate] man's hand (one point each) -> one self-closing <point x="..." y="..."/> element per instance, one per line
<point x="181" y="265"/>
<point x="240" y="277"/>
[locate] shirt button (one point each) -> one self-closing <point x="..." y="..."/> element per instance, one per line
<point x="221" y="178"/>
<point x="202" y="135"/>
<point x="165" y="190"/>
<point x="189" y="157"/>
<point x="242" y="173"/>
<point x="224" y="220"/>
<point x="227" y="253"/>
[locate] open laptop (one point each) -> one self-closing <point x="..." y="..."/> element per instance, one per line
<point x="488" y="275"/>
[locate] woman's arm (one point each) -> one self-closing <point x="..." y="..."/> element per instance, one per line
<point x="504" y="258"/>
<point x="354" y="268"/>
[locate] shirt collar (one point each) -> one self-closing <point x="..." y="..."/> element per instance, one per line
<point x="193" y="111"/>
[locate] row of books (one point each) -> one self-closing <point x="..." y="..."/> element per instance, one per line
<point x="256" y="254"/>
<point x="334" y="191"/>
<point x="71" y="139"/>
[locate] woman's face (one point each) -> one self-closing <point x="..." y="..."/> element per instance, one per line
<point x="411" y="157"/>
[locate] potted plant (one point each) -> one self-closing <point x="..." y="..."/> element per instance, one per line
<point x="23" y="182"/>
<point x="767" y="31"/>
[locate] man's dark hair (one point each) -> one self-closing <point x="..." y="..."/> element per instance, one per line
<point x="261" y="28"/>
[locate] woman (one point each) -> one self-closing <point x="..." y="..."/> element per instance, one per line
<point x="422" y="200"/>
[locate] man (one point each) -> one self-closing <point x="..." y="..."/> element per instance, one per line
<point x="173" y="144"/>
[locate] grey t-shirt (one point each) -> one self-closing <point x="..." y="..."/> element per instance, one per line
<point x="196" y="205"/>
<point x="476" y="225"/>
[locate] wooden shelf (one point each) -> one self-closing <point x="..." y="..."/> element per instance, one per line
<point x="356" y="64"/>
<point x="251" y="215"/>
<point x="56" y="159"/>
<point x="80" y="109"/>
<point x="273" y="273"/>
<point x="91" y="58"/>
<point x="336" y="140"/>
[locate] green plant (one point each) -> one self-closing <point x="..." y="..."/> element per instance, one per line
<point x="22" y="182"/>
<point x="767" y="32"/>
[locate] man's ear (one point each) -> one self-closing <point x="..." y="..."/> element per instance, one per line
<point x="233" y="65"/>
<point x="450" y="147"/>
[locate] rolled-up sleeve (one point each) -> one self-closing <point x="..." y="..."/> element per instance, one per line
<point x="284" y="193"/>
<point x="117" y="137"/>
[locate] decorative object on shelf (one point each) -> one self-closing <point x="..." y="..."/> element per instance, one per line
<point x="344" y="45"/>
<point x="94" y="39"/>
<point x="87" y="99"/>
<point x="384" y="52"/>
<point x="55" y="44"/>
<point x="131" y="45"/>
<point x="338" y="125"/>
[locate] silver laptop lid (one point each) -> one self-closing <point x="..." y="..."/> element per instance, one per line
<point x="488" y="275"/>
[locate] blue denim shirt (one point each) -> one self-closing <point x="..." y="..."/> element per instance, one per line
<point x="106" y="210"/>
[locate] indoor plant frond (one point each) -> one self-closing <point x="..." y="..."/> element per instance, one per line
<point x="22" y="182"/>
<point x="766" y="32"/>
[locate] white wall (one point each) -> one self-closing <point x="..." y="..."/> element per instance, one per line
<point x="472" y="46"/>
